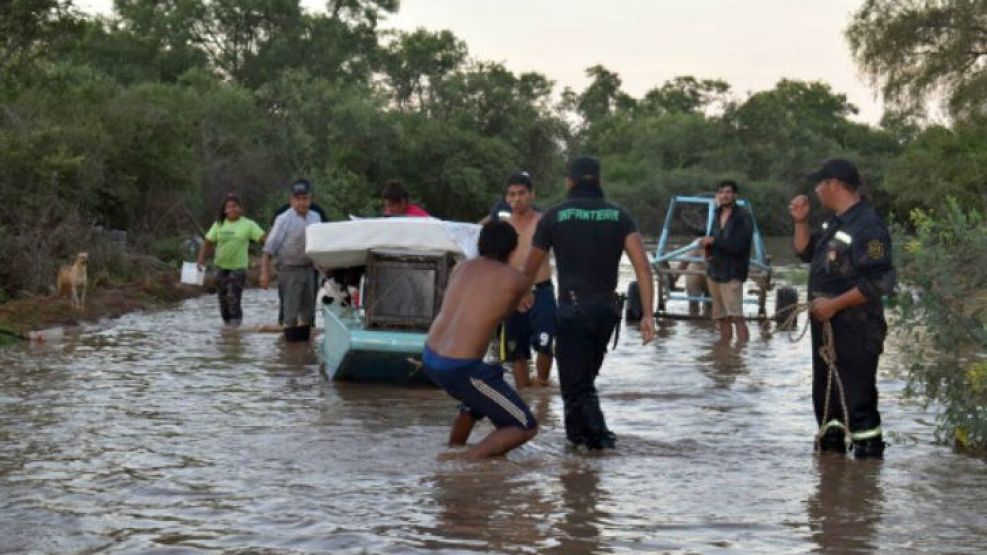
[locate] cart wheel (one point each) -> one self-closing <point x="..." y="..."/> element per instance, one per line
<point x="633" y="312"/>
<point x="785" y="300"/>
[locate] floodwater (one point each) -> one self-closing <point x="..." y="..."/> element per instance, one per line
<point x="160" y="433"/>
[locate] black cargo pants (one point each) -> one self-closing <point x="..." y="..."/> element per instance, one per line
<point x="583" y="330"/>
<point x="858" y="336"/>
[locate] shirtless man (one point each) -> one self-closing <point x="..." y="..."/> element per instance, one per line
<point x="533" y="326"/>
<point x="481" y="292"/>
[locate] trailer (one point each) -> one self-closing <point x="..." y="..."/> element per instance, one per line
<point x="676" y="258"/>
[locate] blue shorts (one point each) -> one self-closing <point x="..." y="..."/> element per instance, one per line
<point x="534" y="328"/>
<point x="480" y="388"/>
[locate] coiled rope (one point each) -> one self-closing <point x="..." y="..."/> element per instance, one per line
<point x="827" y="351"/>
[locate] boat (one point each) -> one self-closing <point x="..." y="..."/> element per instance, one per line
<point x="395" y="272"/>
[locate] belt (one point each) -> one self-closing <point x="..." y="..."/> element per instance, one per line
<point x="573" y="296"/>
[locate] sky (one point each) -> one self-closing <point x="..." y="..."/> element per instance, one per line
<point x="750" y="44"/>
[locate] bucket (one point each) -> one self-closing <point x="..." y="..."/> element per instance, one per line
<point x="191" y="274"/>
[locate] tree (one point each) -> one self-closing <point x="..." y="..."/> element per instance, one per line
<point x="603" y="96"/>
<point x="685" y="94"/>
<point x="940" y="163"/>
<point x="32" y="29"/>
<point x="920" y="49"/>
<point x="790" y="128"/>
<point x="416" y="62"/>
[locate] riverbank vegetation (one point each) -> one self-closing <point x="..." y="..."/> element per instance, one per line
<point x="121" y="134"/>
<point x="943" y="313"/>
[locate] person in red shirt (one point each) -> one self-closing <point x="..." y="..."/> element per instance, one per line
<point x="396" y="203"/>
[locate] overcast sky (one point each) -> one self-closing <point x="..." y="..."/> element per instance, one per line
<point x="750" y="44"/>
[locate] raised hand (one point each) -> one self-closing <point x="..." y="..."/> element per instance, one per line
<point x="799" y="208"/>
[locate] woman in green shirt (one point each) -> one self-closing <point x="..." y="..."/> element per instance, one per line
<point x="230" y="237"/>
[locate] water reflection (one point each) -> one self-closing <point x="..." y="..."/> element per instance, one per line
<point x="292" y="357"/>
<point x="579" y="526"/>
<point x="158" y="431"/>
<point x="846" y="507"/>
<point x="723" y="363"/>
<point x="479" y="507"/>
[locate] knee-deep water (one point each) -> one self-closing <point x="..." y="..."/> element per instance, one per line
<point x="159" y="432"/>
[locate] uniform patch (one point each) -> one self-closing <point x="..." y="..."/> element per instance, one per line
<point x="875" y="249"/>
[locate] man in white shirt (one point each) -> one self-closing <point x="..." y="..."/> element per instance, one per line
<point x="296" y="274"/>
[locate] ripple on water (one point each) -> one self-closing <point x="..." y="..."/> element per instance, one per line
<point x="159" y="432"/>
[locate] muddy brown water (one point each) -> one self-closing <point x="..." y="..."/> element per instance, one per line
<point x="160" y="433"/>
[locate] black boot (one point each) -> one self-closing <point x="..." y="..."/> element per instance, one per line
<point x="606" y="440"/>
<point x="872" y="448"/>
<point x="832" y="441"/>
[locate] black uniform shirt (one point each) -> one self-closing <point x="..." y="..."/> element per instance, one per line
<point x="587" y="234"/>
<point x="731" y="246"/>
<point x="851" y="250"/>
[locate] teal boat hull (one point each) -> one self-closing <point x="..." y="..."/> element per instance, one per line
<point x="352" y="353"/>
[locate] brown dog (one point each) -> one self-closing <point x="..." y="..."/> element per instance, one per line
<point x="74" y="280"/>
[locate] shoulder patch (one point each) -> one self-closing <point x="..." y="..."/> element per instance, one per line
<point x="875" y="249"/>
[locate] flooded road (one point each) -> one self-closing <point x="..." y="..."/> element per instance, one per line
<point x="160" y="433"/>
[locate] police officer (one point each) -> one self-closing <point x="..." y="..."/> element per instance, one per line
<point x="851" y="270"/>
<point x="588" y="235"/>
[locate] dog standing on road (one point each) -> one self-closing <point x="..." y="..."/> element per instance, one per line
<point x="74" y="280"/>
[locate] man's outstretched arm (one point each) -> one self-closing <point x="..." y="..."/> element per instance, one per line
<point x="634" y="245"/>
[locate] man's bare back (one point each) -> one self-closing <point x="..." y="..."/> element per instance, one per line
<point x="481" y="292"/>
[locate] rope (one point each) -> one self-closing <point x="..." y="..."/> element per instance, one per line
<point x="827" y="351"/>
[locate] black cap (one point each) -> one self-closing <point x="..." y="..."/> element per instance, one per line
<point x="301" y="187"/>
<point x="584" y="170"/>
<point x="837" y="168"/>
<point x="520" y="178"/>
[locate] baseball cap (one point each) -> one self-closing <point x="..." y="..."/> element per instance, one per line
<point x="301" y="187"/>
<point x="585" y="170"/>
<point x="520" y="178"/>
<point x="837" y="168"/>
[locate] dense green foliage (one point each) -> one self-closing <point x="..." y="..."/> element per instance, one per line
<point x="917" y="49"/>
<point x="944" y="314"/>
<point x="144" y="120"/>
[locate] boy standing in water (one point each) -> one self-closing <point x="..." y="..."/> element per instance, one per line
<point x="533" y="327"/>
<point x="481" y="292"/>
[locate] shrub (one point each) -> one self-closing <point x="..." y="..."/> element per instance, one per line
<point x="944" y="316"/>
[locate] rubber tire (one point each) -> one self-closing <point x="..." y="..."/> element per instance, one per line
<point x="633" y="311"/>
<point x="785" y="299"/>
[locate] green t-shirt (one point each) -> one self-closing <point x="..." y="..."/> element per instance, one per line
<point x="232" y="240"/>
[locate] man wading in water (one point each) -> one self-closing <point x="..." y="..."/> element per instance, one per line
<point x="851" y="270"/>
<point x="729" y="249"/>
<point x="481" y="292"/>
<point x="588" y="235"/>
<point x="534" y="325"/>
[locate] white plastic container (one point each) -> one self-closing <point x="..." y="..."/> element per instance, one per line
<point x="191" y="274"/>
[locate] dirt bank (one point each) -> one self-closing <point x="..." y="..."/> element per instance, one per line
<point x="41" y="312"/>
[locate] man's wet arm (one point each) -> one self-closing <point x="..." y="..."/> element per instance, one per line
<point x="532" y="264"/>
